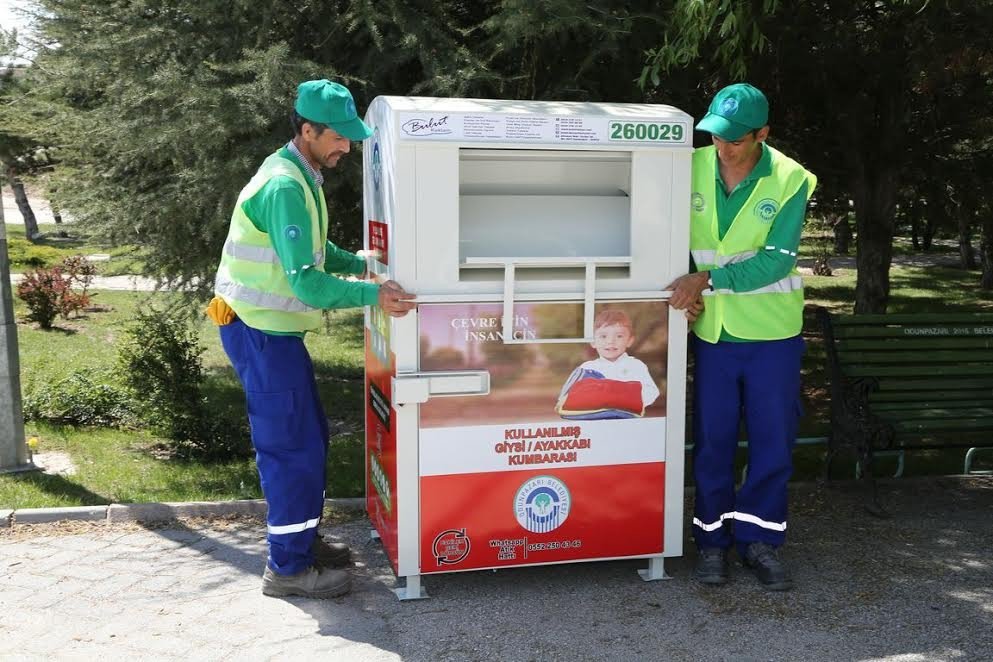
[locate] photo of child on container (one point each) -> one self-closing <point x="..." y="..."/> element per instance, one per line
<point x="531" y="382"/>
<point x="613" y="385"/>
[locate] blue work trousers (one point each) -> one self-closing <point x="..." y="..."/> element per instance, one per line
<point x="290" y="436"/>
<point x="759" y="381"/>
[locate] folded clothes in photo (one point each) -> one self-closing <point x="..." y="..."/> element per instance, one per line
<point x="587" y="395"/>
<point x="599" y="415"/>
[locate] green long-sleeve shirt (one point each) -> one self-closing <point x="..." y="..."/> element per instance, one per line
<point x="773" y="261"/>
<point x="279" y="209"/>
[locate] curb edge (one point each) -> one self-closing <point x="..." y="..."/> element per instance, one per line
<point x="153" y="512"/>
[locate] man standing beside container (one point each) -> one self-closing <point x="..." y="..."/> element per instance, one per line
<point x="747" y="211"/>
<point x="274" y="278"/>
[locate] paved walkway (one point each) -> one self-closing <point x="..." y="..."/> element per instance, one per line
<point x="126" y="283"/>
<point x="39" y="205"/>
<point x="941" y="259"/>
<point x="915" y="587"/>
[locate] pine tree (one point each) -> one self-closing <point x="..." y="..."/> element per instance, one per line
<point x="162" y="110"/>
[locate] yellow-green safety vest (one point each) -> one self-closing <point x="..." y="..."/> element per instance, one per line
<point x="772" y="312"/>
<point x="250" y="277"/>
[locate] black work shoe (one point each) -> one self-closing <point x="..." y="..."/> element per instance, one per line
<point x="712" y="566"/>
<point x="311" y="583"/>
<point x="763" y="559"/>
<point x="330" y="554"/>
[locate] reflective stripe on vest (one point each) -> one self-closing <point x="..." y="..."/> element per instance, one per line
<point x="783" y="286"/>
<point x="229" y="289"/>
<point x="263" y="254"/>
<point x="712" y="258"/>
<point x="771" y="312"/>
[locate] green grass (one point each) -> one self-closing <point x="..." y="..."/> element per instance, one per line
<point x="125" y="466"/>
<point x="51" y="250"/>
<point x="113" y="466"/>
<point x="912" y="290"/>
<point x="116" y="466"/>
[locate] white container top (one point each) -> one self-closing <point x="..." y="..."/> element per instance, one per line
<point x="489" y="199"/>
<point x="558" y="123"/>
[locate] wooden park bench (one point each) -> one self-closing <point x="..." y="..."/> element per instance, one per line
<point x="908" y="381"/>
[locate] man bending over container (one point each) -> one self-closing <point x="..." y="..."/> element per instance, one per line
<point x="274" y="279"/>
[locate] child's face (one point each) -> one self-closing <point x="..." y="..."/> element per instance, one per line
<point x="611" y="341"/>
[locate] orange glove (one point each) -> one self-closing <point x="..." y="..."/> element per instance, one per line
<point x="220" y="312"/>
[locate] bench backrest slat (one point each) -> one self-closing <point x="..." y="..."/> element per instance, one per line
<point x="862" y="370"/>
<point x="919" y="384"/>
<point x="944" y="424"/>
<point x="953" y="358"/>
<point x="909" y="412"/>
<point x="913" y="319"/>
<point x="903" y="343"/>
<point x="925" y="395"/>
<point x="916" y="331"/>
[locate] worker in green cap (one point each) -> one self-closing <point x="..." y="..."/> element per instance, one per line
<point x="277" y="273"/>
<point x="746" y="214"/>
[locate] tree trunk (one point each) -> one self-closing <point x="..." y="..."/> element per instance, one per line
<point x="915" y="212"/>
<point x="57" y="217"/>
<point x="842" y="234"/>
<point x="875" y="181"/>
<point x="930" y="228"/>
<point x="986" y="250"/>
<point x="967" y="255"/>
<point x="30" y="221"/>
<point x="875" y="200"/>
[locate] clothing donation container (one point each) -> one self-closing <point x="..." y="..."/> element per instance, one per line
<point x="530" y="410"/>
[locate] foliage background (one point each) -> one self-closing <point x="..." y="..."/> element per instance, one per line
<point x="158" y="112"/>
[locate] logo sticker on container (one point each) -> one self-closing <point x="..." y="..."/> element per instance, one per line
<point x="542" y="504"/>
<point x="451" y="547"/>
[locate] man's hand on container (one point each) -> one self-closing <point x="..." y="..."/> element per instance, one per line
<point x="394" y="299"/>
<point x="694" y="310"/>
<point x="686" y="290"/>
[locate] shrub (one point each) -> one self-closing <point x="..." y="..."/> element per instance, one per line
<point x="42" y="291"/>
<point x="49" y="292"/>
<point x="80" y="271"/>
<point x="160" y="363"/>
<point x="85" y="397"/>
<point x="23" y="253"/>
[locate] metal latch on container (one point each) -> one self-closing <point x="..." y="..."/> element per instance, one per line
<point x="418" y="387"/>
<point x="510" y="264"/>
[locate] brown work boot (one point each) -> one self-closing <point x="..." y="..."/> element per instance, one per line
<point x="311" y="583"/>
<point x="330" y="554"/>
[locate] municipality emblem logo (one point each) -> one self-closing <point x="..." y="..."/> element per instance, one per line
<point x="293" y="232"/>
<point x="766" y="210"/>
<point x="729" y="107"/>
<point x="542" y="504"/>
<point x="696" y="201"/>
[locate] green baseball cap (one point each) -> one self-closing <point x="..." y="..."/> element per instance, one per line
<point x="332" y="104"/>
<point x="735" y="110"/>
